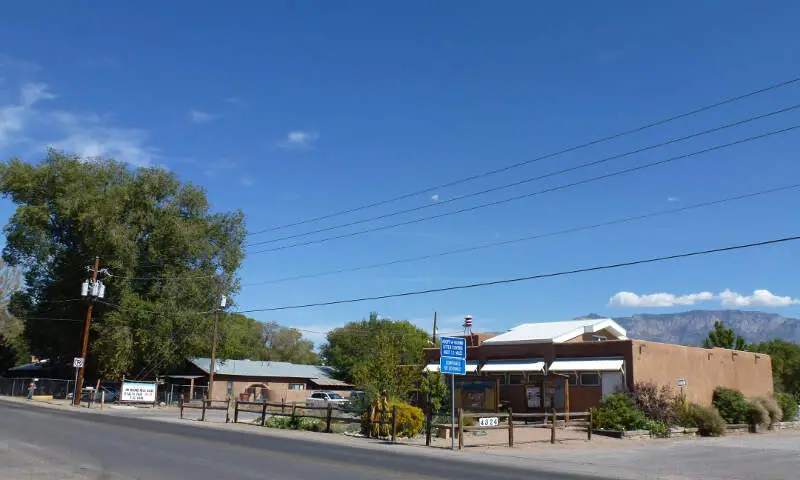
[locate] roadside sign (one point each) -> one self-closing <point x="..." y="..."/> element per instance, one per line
<point x="138" y="392"/>
<point x="77" y="362"/>
<point x="489" y="422"/>
<point x="454" y="347"/>
<point x="453" y="366"/>
<point x="681" y="383"/>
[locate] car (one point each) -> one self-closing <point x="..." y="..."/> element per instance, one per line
<point x="323" y="399"/>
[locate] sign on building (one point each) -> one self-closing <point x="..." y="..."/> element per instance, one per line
<point x="534" y="395"/>
<point x="138" y="392"/>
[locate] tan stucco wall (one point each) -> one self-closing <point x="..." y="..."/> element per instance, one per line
<point x="278" y="390"/>
<point x="704" y="369"/>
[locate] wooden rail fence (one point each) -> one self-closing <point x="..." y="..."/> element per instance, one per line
<point x="510" y="417"/>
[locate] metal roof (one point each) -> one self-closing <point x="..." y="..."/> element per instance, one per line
<point x="587" y="364"/>
<point x="525" y="365"/>
<point x="252" y="368"/>
<point x="557" y="332"/>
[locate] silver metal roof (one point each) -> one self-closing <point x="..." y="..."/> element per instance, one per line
<point x="252" y="368"/>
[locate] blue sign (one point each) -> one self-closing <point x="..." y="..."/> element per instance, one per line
<point x="454" y="347"/>
<point x="453" y="366"/>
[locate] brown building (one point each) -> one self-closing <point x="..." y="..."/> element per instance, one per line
<point x="257" y="381"/>
<point x="572" y="365"/>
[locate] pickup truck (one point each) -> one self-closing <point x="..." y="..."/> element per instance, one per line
<point x="323" y="399"/>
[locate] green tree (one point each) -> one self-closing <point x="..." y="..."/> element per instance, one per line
<point x="438" y="392"/>
<point x="373" y="341"/>
<point x="13" y="350"/>
<point x="723" y="337"/>
<point x="284" y="344"/>
<point x="785" y="357"/>
<point x="168" y="257"/>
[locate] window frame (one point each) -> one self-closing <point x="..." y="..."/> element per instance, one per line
<point x="583" y="384"/>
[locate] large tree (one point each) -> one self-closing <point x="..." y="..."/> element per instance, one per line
<point x="358" y="346"/>
<point x="785" y="357"/>
<point x="285" y="344"/>
<point x="168" y="256"/>
<point x="723" y="337"/>
<point x="13" y="350"/>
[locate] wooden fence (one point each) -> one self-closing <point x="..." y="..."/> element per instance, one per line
<point x="204" y="405"/>
<point x="551" y="419"/>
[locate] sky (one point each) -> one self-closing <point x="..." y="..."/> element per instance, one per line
<point x="294" y="110"/>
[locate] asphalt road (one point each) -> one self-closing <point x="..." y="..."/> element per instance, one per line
<point x="44" y="443"/>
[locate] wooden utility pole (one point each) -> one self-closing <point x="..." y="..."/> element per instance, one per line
<point x="434" y="328"/>
<point x="214" y="349"/>
<point x="86" y="325"/>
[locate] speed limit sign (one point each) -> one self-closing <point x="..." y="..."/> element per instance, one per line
<point x="77" y="362"/>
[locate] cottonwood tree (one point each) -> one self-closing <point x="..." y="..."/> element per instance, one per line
<point x="723" y="337"/>
<point x="13" y="350"/>
<point x="169" y="257"/>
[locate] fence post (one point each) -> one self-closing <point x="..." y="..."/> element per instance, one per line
<point x="589" y="428"/>
<point x="510" y="427"/>
<point x="294" y="408"/>
<point x="429" y="427"/>
<point x="203" y="414"/>
<point x="329" y="414"/>
<point x="553" y="428"/>
<point x="460" y="429"/>
<point x="394" y="423"/>
<point x="102" y="399"/>
<point x="236" y="411"/>
<point x="283" y="406"/>
<point x="264" y="413"/>
<point x="371" y="416"/>
<point x="228" y="410"/>
<point x="180" y="405"/>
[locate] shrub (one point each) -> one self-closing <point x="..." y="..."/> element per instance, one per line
<point x="410" y="420"/>
<point x="765" y="411"/>
<point x="758" y="415"/>
<point x="788" y="406"/>
<point x="658" y="428"/>
<point x="657" y="403"/>
<point x="731" y="404"/>
<point x="279" y="422"/>
<point x="618" y="412"/>
<point x="310" y="424"/>
<point x="708" y="420"/>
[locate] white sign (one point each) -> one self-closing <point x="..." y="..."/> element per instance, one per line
<point x="489" y="422"/>
<point x="681" y="383"/>
<point x="138" y="392"/>
<point x="77" y="362"/>
<point x="534" y="396"/>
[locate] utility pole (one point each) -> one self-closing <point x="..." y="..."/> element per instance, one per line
<point x="434" y="328"/>
<point x="220" y="305"/>
<point x="92" y="290"/>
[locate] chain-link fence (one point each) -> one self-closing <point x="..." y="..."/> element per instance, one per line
<point x="18" y="387"/>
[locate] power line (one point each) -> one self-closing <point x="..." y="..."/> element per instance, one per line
<point x="536" y="159"/>
<point x="532" y="179"/>
<point x="530" y="277"/>
<point x="531" y="194"/>
<point x="532" y="237"/>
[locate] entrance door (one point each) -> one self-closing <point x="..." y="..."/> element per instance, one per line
<point x="611" y="383"/>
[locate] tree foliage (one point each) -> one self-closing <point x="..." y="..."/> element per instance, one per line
<point x="169" y="258"/>
<point x="286" y="344"/>
<point x="723" y="337"/>
<point x="13" y="350"/>
<point x="785" y="364"/>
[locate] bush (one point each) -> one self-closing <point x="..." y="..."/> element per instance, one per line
<point x="658" y="428"/>
<point x="765" y="411"/>
<point x="283" y="423"/>
<point x="788" y="406"/>
<point x="618" y="412"/>
<point x="657" y="403"/>
<point x="708" y="420"/>
<point x="410" y="421"/>
<point x="731" y="404"/>
<point x="286" y="423"/>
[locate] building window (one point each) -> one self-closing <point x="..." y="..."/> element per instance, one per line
<point x="297" y="386"/>
<point x="573" y="379"/>
<point x="590" y="379"/>
<point x="599" y="338"/>
<point x="516" y="378"/>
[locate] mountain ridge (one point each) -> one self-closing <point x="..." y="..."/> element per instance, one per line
<point x="692" y="327"/>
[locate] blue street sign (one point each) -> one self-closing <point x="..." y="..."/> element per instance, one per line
<point x="454" y="347"/>
<point x="453" y="366"/>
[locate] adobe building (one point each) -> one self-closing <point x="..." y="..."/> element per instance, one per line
<point x="572" y="365"/>
<point x="250" y="380"/>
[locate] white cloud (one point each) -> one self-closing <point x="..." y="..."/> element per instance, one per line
<point x="728" y="299"/>
<point x="8" y="62"/>
<point x="298" y="140"/>
<point x="660" y="300"/>
<point x="247" y="182"/>
<point x="673" y="199"/>
<point x="85" y="134"/>
<point x="759" y="298"/>
<point x="198" y="116"/>
<point x="235" y="101"/>
<point x="435" y="198"/>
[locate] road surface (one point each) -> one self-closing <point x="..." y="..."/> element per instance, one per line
<point x="42" y="443"/>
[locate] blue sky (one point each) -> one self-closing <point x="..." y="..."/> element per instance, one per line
<point x="290" y="110"/>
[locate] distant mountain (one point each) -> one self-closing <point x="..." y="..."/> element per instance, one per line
<point x="691" y="328"/>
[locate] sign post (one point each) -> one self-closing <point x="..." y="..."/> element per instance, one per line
<point x="77" y="363"/>
<point x="453" y="360"/>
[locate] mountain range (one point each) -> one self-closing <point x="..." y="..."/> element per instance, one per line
<point x="691" y="328"/>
